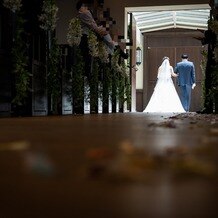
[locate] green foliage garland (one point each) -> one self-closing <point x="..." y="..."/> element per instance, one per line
<point x="78" y="82"/>
<point x="74" y="32"/>
<point x="213" y="90"/>
<point x="112" y="72"/>
<point x="121" y="79"/>
<point x="22" y="75"/>
<point x="93" y="83"/>
<point x="93" y="44"/>
<point x="48" y="20"/>
<point x="19" y="53"/>
<point x="20" y="63"/>
<point x="13" y="5"/>
<point x="48" y="17"/>
<point x="53" y="76"/>
<point x="203" y="70"/>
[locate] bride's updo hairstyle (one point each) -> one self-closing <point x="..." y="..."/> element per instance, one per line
<point x="164" y="58"/>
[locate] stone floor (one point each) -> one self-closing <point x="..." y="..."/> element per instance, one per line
<point x="128" y="165"/>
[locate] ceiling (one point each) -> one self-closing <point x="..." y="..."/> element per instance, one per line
<point x="189" y="19"/>
<point x="149" y="21"/>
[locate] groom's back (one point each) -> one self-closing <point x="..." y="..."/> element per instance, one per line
<point x="184" y="70"/>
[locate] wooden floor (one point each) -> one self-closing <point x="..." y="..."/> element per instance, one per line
<point x="128" y="165"/>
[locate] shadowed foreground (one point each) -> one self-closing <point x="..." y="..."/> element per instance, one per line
<point x="130" y="165"/>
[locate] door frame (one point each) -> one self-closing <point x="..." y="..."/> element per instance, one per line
<point x="129" y="10"/>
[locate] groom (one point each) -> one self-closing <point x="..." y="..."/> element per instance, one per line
<point x="186" y="80"/>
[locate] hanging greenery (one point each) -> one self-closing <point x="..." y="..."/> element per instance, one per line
<point x="19" y="54"/>
<point x="93" y="44"/>
<point x="78" y="82"/>
<point x="106" y="86"/>
<point x="53" y="76"/>
<point x="78" y="90"/>
<point x="100" y="59"/>
<point x="213" y="25"/>
<point x="48" y="18"/>
<point x="124" y="85"/>
<point x="203" y="70"/>
<point x="114" y="90"/>
<point x="115" y="62"/>
<point x="102" y="52"/>
<point x="212" y="93"/>
<point x="109" y="70"/>
<point x="127" y="86"/>
<point x="13" y="5"/>
<point x="122" y="78"/>
<point x="20" y="64"/>
<point x="93" y="84"/>
<point x="74" y="32"/>
<point x="116" y="70"/>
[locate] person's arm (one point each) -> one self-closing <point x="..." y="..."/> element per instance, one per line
<point x="176" y="69"/>
<point x="89" y="21"/>
<point x="193" y="76"/>
<point x="172" y="72"/>
<point x="193" y="73"/>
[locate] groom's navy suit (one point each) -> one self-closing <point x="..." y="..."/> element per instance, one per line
<point x="186" y="78"/>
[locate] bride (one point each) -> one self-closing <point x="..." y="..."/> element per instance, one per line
<point x="165" y="97"/>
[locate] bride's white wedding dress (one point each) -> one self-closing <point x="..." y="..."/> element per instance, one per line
<point x="164" y="98"/>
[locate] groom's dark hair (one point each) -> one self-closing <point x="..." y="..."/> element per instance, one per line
<point x="184" y="56"/>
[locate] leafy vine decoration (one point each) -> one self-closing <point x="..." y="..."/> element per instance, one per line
<point x="13" y="5"/>
<point x="113" y="72"/>
<point x="74" y="33"/>
<point x="19" y="53"/>
<point x="48" y="20"/>
<point x="213" y="91"/>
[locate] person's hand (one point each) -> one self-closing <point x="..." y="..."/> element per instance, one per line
<point x="102" y="31"/>
<point x="193" y="85"/>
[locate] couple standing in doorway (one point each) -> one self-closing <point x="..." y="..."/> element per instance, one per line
<point x="165" y="97"/>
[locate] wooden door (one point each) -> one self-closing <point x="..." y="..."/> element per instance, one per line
<point x="172" y="45"/>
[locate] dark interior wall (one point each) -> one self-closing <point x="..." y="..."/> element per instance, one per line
<point x="67" y="10"/>
<point x="0" y="31"/>
<point x="117" y="7"/>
